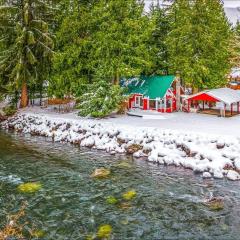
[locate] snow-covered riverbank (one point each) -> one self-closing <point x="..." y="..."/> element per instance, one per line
<point x="210" y="155"/>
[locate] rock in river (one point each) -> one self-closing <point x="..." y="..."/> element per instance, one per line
<point x="233" y="175"/>
<point x="101" y="173"/>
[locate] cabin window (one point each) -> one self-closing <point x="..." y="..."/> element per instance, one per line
<point x="152" y="104"/>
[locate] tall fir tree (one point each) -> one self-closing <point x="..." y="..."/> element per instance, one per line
<point x="120" y="36"/>
<point x="28" y="43"/>
<point x="157" y="42"/>
<point x="198" y="42"/>
<point x="234" y="46"/>
<point x="72" y="65"/>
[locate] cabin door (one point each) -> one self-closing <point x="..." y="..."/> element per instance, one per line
<point x="160" y="105"/>
<point x="139" y="102"/>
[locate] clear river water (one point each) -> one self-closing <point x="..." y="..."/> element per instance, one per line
<point x="71" y="205"/>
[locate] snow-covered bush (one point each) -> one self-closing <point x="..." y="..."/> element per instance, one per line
<point x="101" y="99"/>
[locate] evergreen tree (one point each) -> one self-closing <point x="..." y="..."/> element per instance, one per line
<point x="234" y="47"/>
<point x="198" y="42"/>
<point x="108" y="40"/>
<point x="119" y="40"/>
<point x="237" y="28"/>
<point x="157" y="43"/>
<point x="28" y="43"/>
<point x="72" y="65"/>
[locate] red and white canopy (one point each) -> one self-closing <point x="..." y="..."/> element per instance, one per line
<point x="225" y="95"/>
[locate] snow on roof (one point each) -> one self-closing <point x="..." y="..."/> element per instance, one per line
<point x="226" y="95"/>
<point x="233" y="14"/>
<point x="235" y="73"/>
<point x="152" y="86"/>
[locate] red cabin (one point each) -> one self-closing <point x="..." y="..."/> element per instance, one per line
<point x="152" y="93"/>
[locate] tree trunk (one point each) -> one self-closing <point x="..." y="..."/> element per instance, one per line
<point x="24" y="96"/>
<point x="116" y="79"/>
<point x="41" y="95"/>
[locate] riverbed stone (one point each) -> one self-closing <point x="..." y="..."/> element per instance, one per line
<point x="215" y="203"/>
<point x="134" y="148"/>
<point x="30" y="187"/>
<point x="101" y="173"/>
<point x="129" y="195"/>
<point x="104" y="232"/>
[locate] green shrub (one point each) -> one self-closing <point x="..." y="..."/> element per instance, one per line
<point x="9" y="110"/>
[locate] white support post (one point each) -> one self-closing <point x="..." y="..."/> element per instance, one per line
<point x="165" y="104"/>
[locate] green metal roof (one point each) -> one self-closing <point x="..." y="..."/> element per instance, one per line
<point x="152" y="87"/>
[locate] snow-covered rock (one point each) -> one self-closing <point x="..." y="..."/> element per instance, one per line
<point x="217" y="174"/>
<point x="207" y="175"/>
<point x="208" y="154"/>
<point x="233" y="175"/>
<point x="237" y="163"/>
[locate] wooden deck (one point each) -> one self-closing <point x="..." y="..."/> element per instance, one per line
<point x="59" y="105"/>
<point x="217" y="112"/>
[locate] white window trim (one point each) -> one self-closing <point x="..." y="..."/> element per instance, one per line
<point x="138" y="101"/>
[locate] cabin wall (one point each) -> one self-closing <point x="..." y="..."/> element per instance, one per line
<point x="168" y="105"/>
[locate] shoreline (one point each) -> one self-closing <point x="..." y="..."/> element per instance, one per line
<point x="212" y="155"/>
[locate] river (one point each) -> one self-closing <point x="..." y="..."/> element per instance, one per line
<point x="72" y="205"/>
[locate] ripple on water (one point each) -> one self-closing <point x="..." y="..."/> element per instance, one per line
<point x="10" y="179"/>
<point x="71" y="205"/>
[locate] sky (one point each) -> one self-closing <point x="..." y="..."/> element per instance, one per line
<point x="232" y="3"/>
<point x="227" y="3"/>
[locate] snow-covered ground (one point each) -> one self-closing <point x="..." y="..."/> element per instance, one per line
<point x="193" y="122"/>
<point x="206" y="144"/>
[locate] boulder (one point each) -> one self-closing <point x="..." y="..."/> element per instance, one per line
<point x="121" y="141"/>
<point x="237" y="164"/>
<point x="134" y="148"/>
<point x="215" y="203"/>
<point x="101" y="173"/>
<point x="207" y="175"/>
<point x="124" y="164"/>
<point x="104" y="232"/>
<point x="218" y="174"/>
<point x="188" y="151"/>
<point x="139" y="154"/>
<point x="30" y="187"/>
<point x="129" y="195"/>
<point x="233" y="175"/>
<point x="220" y="145"/>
